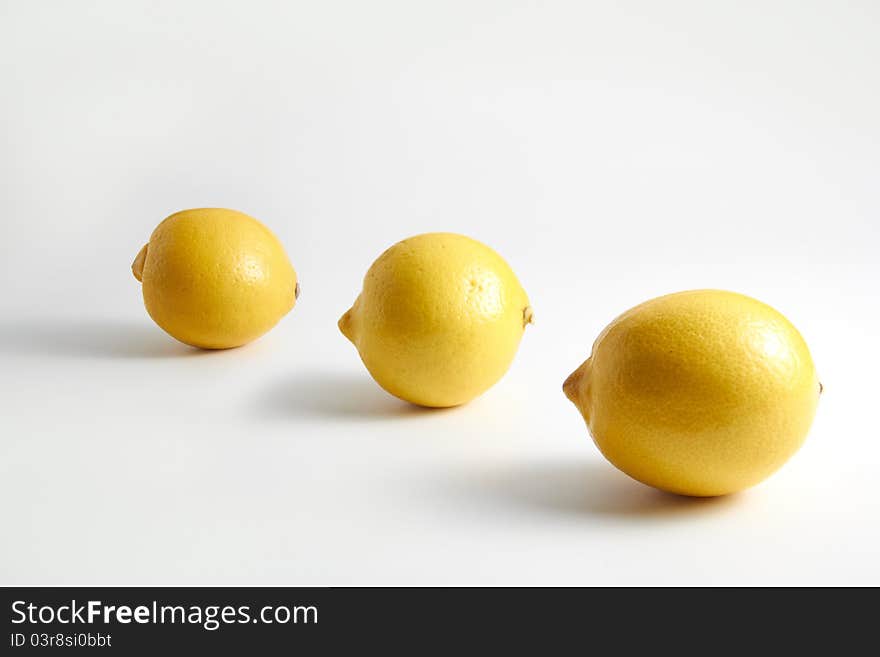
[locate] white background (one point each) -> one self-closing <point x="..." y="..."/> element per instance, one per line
<point x="611" y="151"/>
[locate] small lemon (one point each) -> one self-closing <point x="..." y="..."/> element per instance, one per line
<point x="215" y="278"/>
<point x="698" y="393"/>
<point x="439" y="319"/>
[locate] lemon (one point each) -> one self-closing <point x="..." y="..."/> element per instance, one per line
<point x="439" y="319"/>
<point x="698" y="393"/>
<point x="215" y="278"/>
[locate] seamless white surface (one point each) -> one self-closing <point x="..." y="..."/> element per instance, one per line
<point x="611" y="151"/>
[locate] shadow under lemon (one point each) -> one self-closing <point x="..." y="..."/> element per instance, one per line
<point x="93" y="338"/>
<point x="585" y="488"/>
<point x="336" y="395"/>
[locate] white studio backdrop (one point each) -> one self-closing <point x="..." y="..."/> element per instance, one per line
<point x="610" y="151"/>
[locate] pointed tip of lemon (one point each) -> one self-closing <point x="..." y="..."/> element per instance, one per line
<point x="137" y="267"/>
<point x="570" y="385"/>
<point x="573" y="385"/>
<point x="345" y="325"/>
<point x="528" y="316"/>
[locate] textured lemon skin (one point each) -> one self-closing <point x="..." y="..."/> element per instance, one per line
<point x="699" y="393"/>
<point x="215" y="278"/>
<point x="439" y="319"/>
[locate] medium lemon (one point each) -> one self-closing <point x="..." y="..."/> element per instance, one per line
<point x="439" y="319"/>
<point x="215" y="278"/>
<point x="698" y="393"/>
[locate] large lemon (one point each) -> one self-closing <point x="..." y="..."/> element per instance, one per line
<point x="215" y="278"/>
<point x="699" y="393"/>
<point x="439" y="319"/>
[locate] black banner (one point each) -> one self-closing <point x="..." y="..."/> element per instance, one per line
<point x="148" y="621"/>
